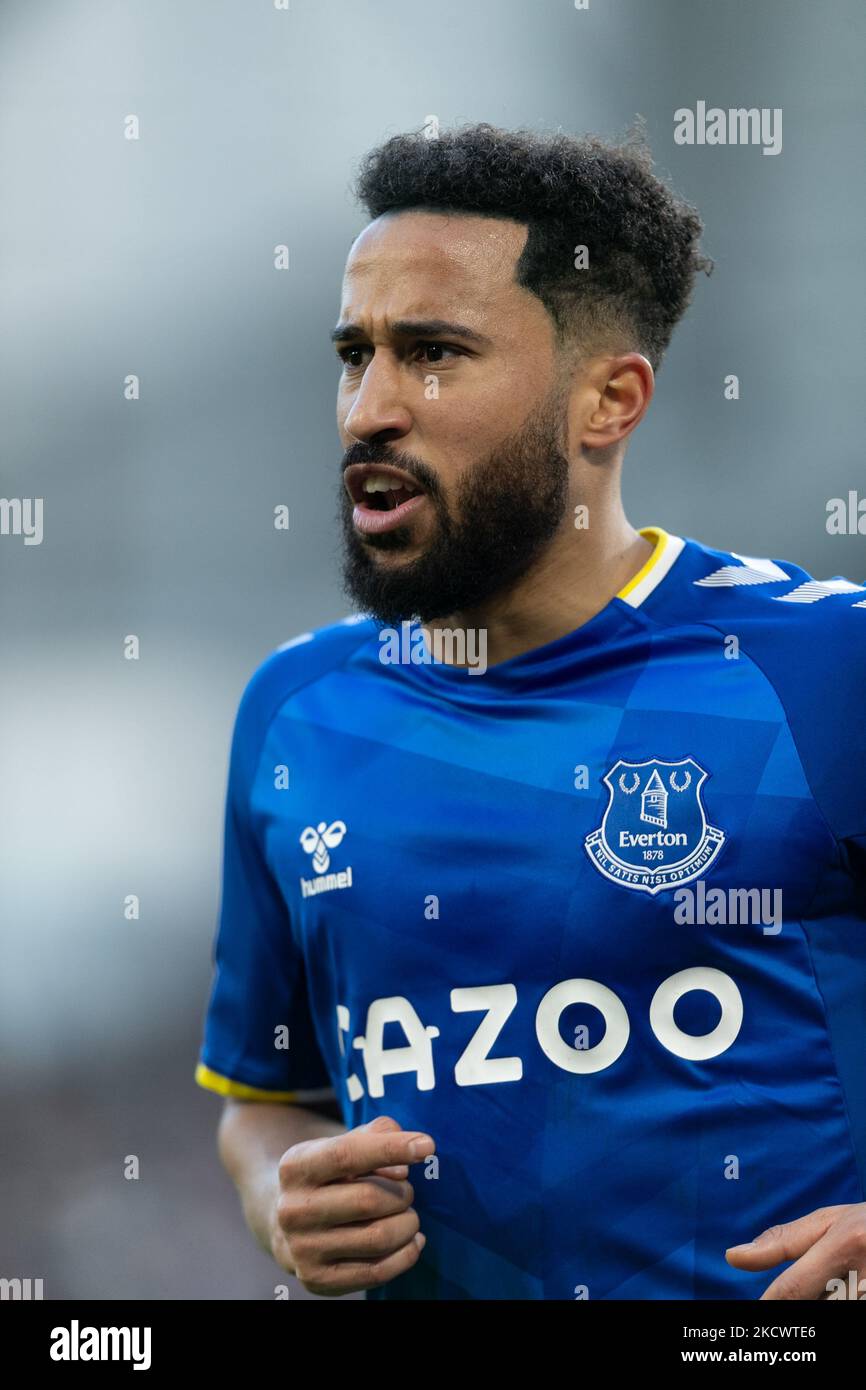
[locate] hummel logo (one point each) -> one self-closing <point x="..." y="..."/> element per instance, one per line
<point x="317" y="841"/>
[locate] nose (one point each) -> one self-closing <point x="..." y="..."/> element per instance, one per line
<point x="376" y="407"/>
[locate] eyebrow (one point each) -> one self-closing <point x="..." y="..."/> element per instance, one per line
<point x="413" y="328"/>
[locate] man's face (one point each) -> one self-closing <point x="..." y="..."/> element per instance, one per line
<point x="451" y="412"/>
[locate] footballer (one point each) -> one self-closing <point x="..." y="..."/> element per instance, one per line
<point x="541" y="955"/>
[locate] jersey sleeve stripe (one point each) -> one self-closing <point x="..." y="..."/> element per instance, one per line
<point x="227" y="1086"/>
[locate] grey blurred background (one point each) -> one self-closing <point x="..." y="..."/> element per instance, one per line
<point x="155" y="257"/>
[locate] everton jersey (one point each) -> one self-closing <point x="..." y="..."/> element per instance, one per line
<point x="594" y="918"/>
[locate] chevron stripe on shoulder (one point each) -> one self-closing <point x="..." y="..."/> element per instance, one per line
<point x="749" y="571"/>
<point x="814" y="589"/>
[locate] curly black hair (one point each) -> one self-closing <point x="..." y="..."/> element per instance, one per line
<point x="642" y="240"/>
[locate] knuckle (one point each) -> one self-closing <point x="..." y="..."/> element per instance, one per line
<point x="315" y="1283"/>
<point x="395" y="1148"/>
<point x="304" y="1207"/>
<point x="286" y="1213"/>
<point x="373" y="1237"/>
<point x="290" y="1163"/>
<point x="411" y="1254"/>
<point x="301" y="1249"/>
<point x="772" y="1233"/>
<point x="295" y="1153"/>
<point x="334" y="1281"/>
<point x="281" y="1250"/>
<point x="857" y="1234"/>
<point x="367" y="1200"/>
<point x="341" y="1152"/>
<point x="310" y="1269"/>
<point x="398" y="1195"/>
<point x="376" y="1273"/>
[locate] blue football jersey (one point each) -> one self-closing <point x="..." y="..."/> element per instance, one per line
<point x="594" y="918"/>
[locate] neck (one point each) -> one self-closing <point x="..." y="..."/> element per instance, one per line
<point x="575" y="578"/>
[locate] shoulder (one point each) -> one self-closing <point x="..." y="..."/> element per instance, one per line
<point x="295" y="664"/>
<point x="806" y="637"/>
<point x="801" y="627"/>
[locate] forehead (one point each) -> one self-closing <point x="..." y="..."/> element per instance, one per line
<point x="418" y="262"/>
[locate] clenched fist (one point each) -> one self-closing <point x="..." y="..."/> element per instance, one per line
<point x="343" y="1220"/>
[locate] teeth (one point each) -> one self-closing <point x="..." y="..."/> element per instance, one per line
<point x="379" y="482"/>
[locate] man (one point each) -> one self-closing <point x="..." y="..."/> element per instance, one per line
<point x="548" y="869"/>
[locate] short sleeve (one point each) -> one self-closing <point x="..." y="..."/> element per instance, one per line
<point x="259" y="996"/>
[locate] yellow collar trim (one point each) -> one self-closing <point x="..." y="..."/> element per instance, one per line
<point x="666" y="548"/>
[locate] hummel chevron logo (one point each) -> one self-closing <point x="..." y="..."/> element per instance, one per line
<point x="317" y="840"/>
<point x="814" y="589"/>
<point x="751" y="571"/>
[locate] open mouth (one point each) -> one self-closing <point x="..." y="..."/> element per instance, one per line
<point x="384" y="497"/>
<point x="384" y="494"/>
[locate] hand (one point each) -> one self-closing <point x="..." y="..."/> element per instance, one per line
<point x="827" y="1244"/>
<point x="343" y="1220"/>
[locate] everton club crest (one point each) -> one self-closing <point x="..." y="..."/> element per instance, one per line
<point x="654" y="834"/>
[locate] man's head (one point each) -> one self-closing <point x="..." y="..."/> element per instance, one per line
<point x="488" y="362"/>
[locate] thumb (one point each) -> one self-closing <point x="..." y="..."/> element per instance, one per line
<point x="384" y="1123"/>
<point x="785" y="1242"/>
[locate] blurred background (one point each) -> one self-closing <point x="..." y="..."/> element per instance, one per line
<point x="155" y="257"/>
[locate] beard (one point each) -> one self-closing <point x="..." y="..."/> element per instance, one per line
<point x="507" y="508"/>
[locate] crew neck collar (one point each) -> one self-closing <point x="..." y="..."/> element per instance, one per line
<point x="544" y="661"/>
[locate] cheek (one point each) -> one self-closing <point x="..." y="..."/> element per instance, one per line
<point x="456" y="435"/>
<point x="495" y="409"/>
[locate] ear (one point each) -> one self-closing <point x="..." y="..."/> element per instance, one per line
<point x="618" y="394"/>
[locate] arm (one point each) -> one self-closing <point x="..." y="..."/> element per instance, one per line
<point x="331" y="1207"/>
<point x="251" y="1139"/>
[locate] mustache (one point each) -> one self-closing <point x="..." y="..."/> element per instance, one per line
<point x="359" y="452"/>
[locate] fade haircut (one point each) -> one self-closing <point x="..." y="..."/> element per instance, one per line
<point x="642" y="240"/>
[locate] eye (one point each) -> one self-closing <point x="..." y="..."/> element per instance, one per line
<point x="345" y="353"/>
<point x="438" y="347"/>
